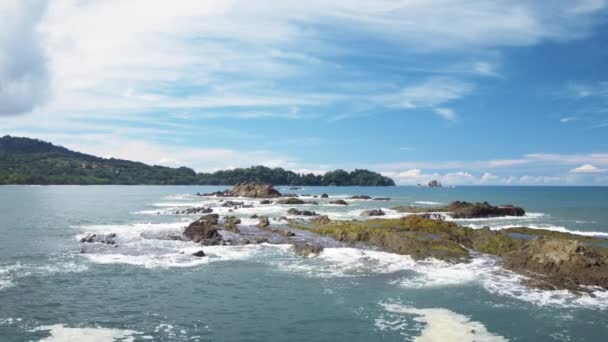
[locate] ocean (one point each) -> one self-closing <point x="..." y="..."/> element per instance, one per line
<point x="54" y="288"/>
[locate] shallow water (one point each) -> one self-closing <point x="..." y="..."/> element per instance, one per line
<point x="149" y="289"/>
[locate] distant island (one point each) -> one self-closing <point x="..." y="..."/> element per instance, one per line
<point x="32" y="161"/>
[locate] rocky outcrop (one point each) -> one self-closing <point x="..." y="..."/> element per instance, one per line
<point x="434" y="184"/>
<point x="373" y="212"/>
<point x="324" y="196"/>
<point x="305" y="249"/>
<point x="339" y="202"/>
<point x="460" y="209"/>
<point x="296" y="212"/>
<point x="109" y="239"/>
<point x="250" y="190"/>
<point x="466" y="210"/>
<point x="204" y="230"/>
<point x="563" y="263"/>
<point x="552" y="260"/>
<point x="197" y="210"/>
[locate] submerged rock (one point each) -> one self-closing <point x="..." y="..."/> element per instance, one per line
<point x="296" y="212"/>
<point x="197" y="210"/>
<point x="108" y="239"/>
<point x="339" y="202"/>
<point x="264" y="222"/>
<point x="305" y="249"/>
<point x="374" y="212"/>
<point x="230" y="224"/>
<point x="265" y="202"/>
<point x="382" y="198"/>
<point x="291" y="201"/>
<point x="364" y="197"/>
<point x="232" y="204"/>
<point x="199" y="254"/>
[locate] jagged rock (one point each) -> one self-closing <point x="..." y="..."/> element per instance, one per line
<point x="339" y="202"/>
<point x="94" y="238"/>
<point x="296" y="212"/>
<point x="199" y="254"/>
<point x="373" y="212"/>
<point x="204" y="230"/>
<point x="305" y="249"/>
<point x="320" y="220"/>
<point x="324" y="196"/>
<point x="230" y="224"/>
<point x="264" y="222"/>
<point x="364" y="197"/>
<point x="291" y="201"/>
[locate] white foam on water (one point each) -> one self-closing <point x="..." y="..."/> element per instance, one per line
<point x="348" y="262"/>
<point x="9" y="274"/>
<point x="61" y="333"/>
<point x="132" y="230"/>
<point x="437" y="325"/>
<point x="428" y="202"/>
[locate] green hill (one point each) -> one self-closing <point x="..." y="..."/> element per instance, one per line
<point x="31" y="161"/>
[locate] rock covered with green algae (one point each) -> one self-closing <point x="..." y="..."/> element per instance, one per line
<point x="554" y="260"/>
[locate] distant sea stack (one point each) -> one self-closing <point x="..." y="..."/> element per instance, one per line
<point x="434" y="184"/>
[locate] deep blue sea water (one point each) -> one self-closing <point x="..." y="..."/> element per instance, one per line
<point x="150" y="289"/>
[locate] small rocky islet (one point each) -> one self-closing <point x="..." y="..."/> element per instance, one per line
<point x="548" y="259"/>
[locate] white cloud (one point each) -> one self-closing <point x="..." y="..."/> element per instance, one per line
<point x="586" y="168"/>
<point x="23" y="74"/>
<point x="433" y="92"/>
<point x="568" y="119"/>
<point x="446" y="113"/>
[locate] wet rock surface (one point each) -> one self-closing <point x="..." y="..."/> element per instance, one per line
<point x="339" y="202"/>
<point x="373" y="212"/>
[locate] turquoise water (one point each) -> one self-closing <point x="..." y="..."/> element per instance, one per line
<point x="146" y="289"/>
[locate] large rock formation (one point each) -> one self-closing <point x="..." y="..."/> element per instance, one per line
<point x="250" y="190"/>
<point x="465" y="210"/>
<point x="108" y="239"/>
<point x="563" y="263"/>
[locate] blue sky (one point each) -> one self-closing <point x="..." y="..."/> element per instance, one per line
<point x="467" y="92"/>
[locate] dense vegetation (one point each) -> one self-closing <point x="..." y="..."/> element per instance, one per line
<point x="30" y="161"/>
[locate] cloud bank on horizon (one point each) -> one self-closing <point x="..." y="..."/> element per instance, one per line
<point x="467" y="92"/>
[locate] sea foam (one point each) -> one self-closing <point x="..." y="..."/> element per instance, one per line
<point x="438" y="324"/>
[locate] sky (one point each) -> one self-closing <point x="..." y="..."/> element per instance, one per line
<point x="464" y="91"/>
